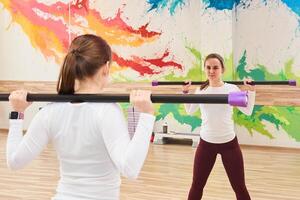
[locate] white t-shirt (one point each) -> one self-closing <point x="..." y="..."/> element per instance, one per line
<point x="217" y="123"/>
<point x="92" y="143"/>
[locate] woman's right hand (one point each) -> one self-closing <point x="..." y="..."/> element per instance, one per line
<point x="17" y="100"/>
<point x="186" y="87"/>
<point x="141" y="99"/>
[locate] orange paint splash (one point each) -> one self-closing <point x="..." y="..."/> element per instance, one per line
<point x="47" y="27"/>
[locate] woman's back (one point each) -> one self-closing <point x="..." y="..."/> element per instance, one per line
<point x="91" y="139"/>
<point x="85" y="163"/>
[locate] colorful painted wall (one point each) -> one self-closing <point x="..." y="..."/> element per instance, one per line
<point x="266" y="47"/>
<point x="165" y="40"/>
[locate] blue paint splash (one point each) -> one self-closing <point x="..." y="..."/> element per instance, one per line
<point x="172" y="5"/>
<point x="175" y="4"/>
<point x="294" y="5"/>
<point x="162" y="4"/>
<point x="221" y="4"/>
<point x="157" y="4"/>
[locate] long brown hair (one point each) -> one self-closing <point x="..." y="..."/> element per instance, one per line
<point x="221" y="60"/>
<point x="87" y="53"/>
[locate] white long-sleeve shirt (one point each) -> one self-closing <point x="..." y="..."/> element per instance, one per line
<point x="217" y="123"/>
<point x="92" y="144"/>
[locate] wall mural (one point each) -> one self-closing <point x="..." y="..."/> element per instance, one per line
<point x="168" y="40"/>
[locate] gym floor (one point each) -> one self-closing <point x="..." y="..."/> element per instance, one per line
<point x="271" y="174"/>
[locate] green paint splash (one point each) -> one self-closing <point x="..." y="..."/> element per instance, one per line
<point x="281" y="117"/>
<point x="179" y="114"/>
<point x="285" y="117"/>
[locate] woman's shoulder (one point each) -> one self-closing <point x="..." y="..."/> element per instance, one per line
<point x="198" y="90"/>
<point x="61" y="107"/>
<point x="105" y="107"/>
<point x="97" y="110"/>
<point x="52" y="106"/>
<point x="231" y="87"/>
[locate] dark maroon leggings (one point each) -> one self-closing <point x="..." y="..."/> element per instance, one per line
<point x="232" y="159"/>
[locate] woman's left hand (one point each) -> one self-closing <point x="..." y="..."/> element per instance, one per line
<point x="249" y="86"/>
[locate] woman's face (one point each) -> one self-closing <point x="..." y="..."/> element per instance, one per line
<point x="213" y="69"/>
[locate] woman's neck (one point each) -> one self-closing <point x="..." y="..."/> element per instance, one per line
<point x="89" y="87"/>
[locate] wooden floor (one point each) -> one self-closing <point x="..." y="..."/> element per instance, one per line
<point x="271" y="174"/>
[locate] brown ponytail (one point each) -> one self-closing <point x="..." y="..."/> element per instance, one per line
<point x="204" y="85"/>
<point x="221" y="60"/>
<point x="66" y="79"/>
<point x="87" y="54"/>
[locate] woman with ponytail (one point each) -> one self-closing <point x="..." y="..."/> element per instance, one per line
<point x="91" y="139"/>
<point x="217" y="131"/>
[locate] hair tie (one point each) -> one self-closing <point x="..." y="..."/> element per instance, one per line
<point x="75" y="52"/>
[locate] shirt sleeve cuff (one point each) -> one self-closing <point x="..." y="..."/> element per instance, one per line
<point x="15" y="126"/>
<point x="16" y="122"/>
<point x="251" y="93"/>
